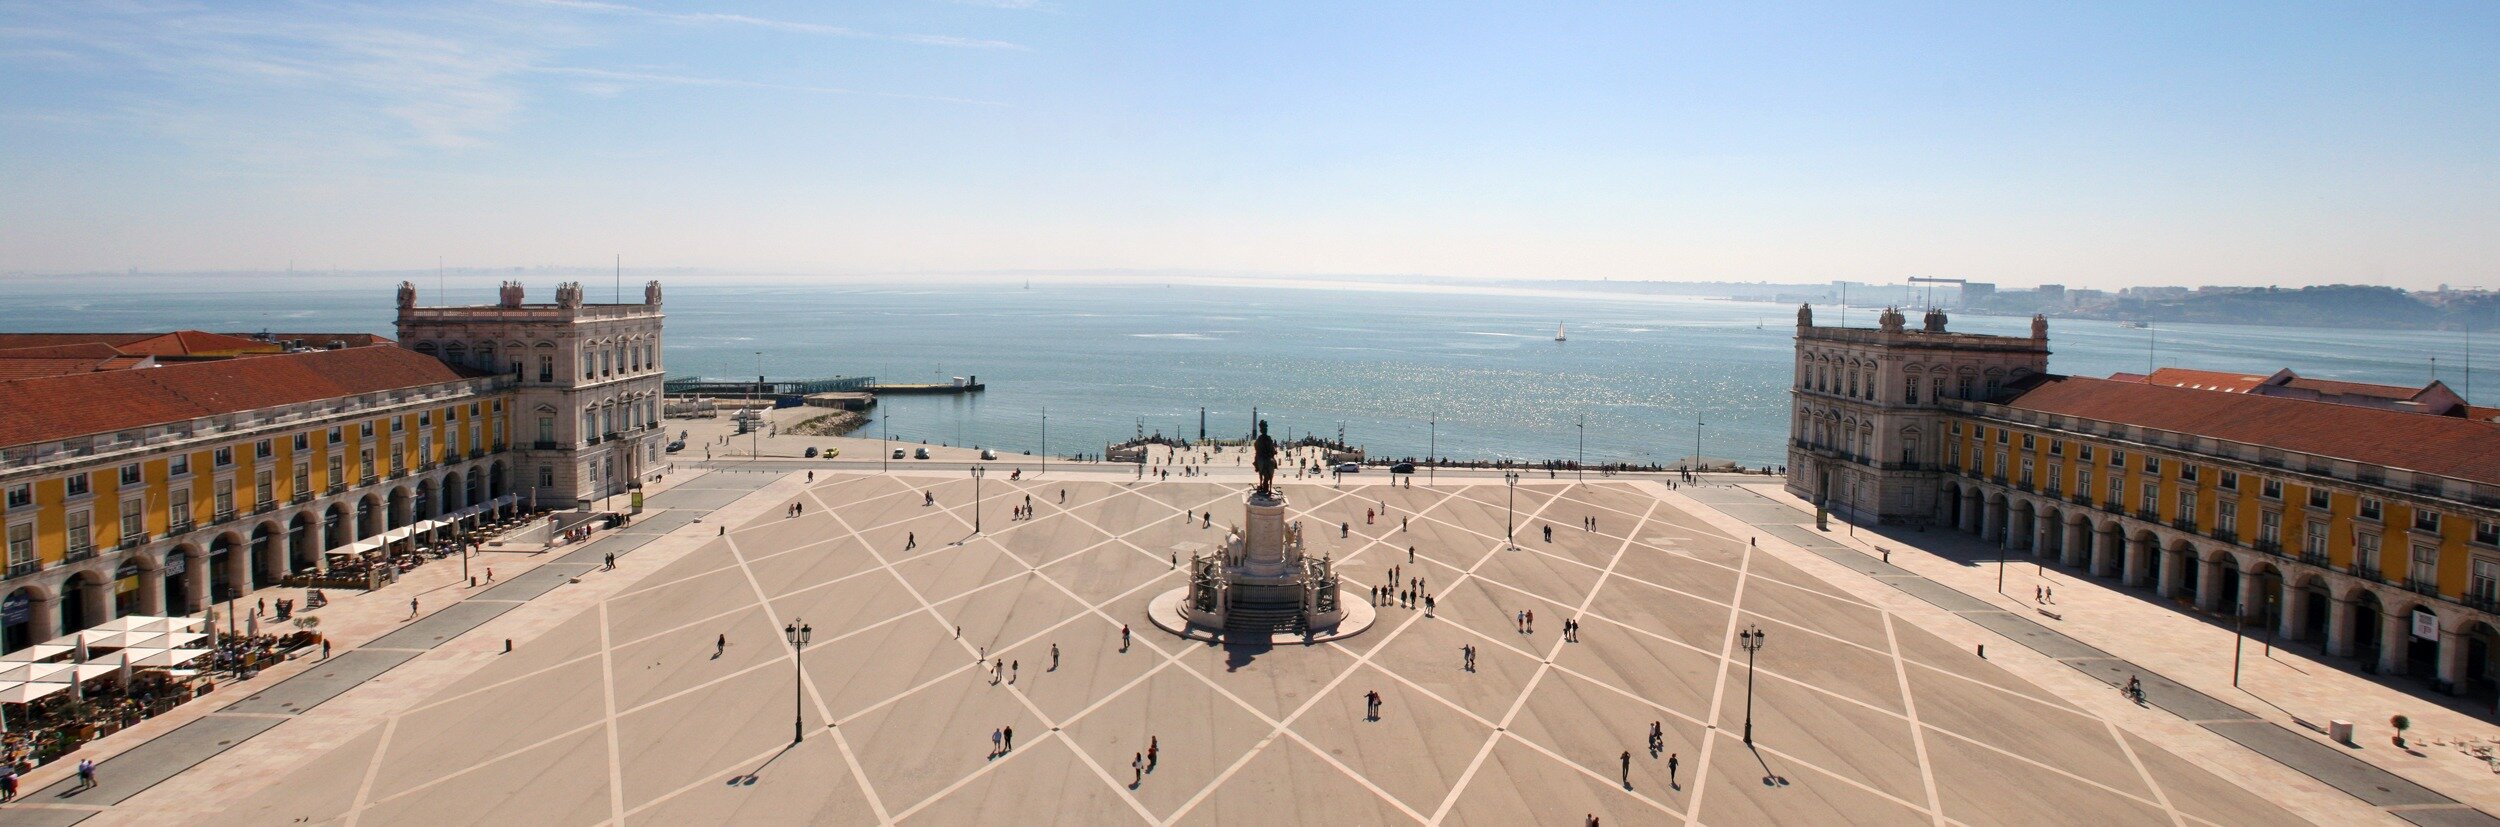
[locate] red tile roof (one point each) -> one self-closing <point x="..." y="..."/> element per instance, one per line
<point x="59" y="407"/>
<point x="177" y="343"/>
<point x="2449" y="446"/>
<point x="2342" y="388"/>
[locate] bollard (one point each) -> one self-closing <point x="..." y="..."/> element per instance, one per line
<point x="507" y="646"/>
<point x="1983" y="651"/>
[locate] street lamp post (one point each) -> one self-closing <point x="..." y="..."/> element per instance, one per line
<point x="1697" y="423"/>
<point x="755" y="421"/>
<point x="1751" y="640"/>
<point x="1584" y="447"/>
<point x="1202" y="414"/>
<point x="885" y="448"/>
<point x="1510" y="511"/>
<point x="798" y="633"/>
<point x="977" y="473"/>
<point x="1432" y="449"/>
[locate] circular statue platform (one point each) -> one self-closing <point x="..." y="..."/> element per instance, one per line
<point x="1165" y="611"/>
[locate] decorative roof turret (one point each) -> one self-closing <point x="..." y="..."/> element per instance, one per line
<point x="1935" y="321"/>
<point x="1805" y="315"/>
<point x="2039" y="327"/>
<point x="1891" y="320"/>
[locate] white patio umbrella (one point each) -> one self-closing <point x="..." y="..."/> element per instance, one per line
<point x="164" y="658"/>
<point x="37" y="652"/>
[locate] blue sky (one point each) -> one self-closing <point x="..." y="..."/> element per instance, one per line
<point x="2113" y="144"/>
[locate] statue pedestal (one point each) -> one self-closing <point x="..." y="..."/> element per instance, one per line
<point x="1263" y="552"/>
<point x="1259" y="586"/>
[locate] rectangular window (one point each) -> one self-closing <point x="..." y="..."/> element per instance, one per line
<point x="2227" y="515"/>
<point x="2057" y="478"/>
<point x="2187" y="504"/>
<point x="179" y="465"/>
<point x="81" y="534"/>
<point x="2026" y="471"/>
<point x="303" y="478"/>
<point x="425" y="447"/>
<point x="337" y="434"/>
<point x="2057" y="446"/>
<point x="2083" y="453"/>
<point x="425" y="419"/>
<point x="2487" y="533"/>
<point x="2230" y="481"/>
<point x="2270" y="489"/>
<point x="2425" y="564"/>
<point x="2117" y="498"/>
<point x="2426" y="520"/>
<point x="2029" y="442"/>
<point x="2000" y="465"/>
<point x="398" y="424"/>
<point x="2320" y="498"/>
<point x="2152" y="497"/>
<point x="21" y="495"/>
<point x="365" y="462"/>
<point x="225" y="500"/>
<point x="1909" y="391"/>
<point x="130" y="474"/>
<point x="223" y="457"/>
<point x="79" y="485"/>
<point x="264" y="488"/>
<point x="134" y="519"/>
<point x="2365" y="552"/>
<point x="303" y="442"/>
<point x="2187" y="472"/>
<point x="2485" y="585"/>
<point x="1957" y="428"/>
<point x="546" y="475"/>
<point x="2083" y="480"/>
<point x="2313" y="541"/>
<point x="263" y="450"/>
<point x="2117" y="459"/>
<point x="2270" y="527"/>
<point x="2370" y="509"/>
<point x="21" y="546"/>
<point x="178" y="512"/>
<point x="2152" y="465"/>
<point x="364" y="429"/>
<point x="338" y="470"/>
<point x="2003" y="436"/>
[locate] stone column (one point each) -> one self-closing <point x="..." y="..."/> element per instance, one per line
<point x="2138" y="559"/>
<point x="2296" y="608"/>
<point x="152" y="591"/>
<point x="2173" y="569"/>
<point x="2451" y="660"/>
<point x="1969" y="523"/>
<point x="2394" y="633"/>
<point x="2339" y="627"/>
<point x="2044" y="535"/>
<point x="2078" y="545"/>
<point x="281" y="557"/>
<point x="45" y="621"/>
<point x="239" y="569"/>
<point x="1991" y="522"/>
<point x="195" y="581"/>
<point x="99" y="602"/>
<point x="2208" y="584"/>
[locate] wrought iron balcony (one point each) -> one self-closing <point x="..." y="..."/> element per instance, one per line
<point x="2183" y="524"/>
<point x="183" y="527"/>
<point x="2268" y="546"/>
<point x="2369" y="573"/>
<point x="131" y="541"/>
<point x="2419" y="585"/>
<point x="77" y="553"/>
<point x="2314" y="558"/>
<point x="2226" y="535"/>
<point x="224" y="514"/>
<point x="546" y="445"/>
<point x="2148" y="515"/>
<point x="302" y="497"/>
<point x="25" y="567"/>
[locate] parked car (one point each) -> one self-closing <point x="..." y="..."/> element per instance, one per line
<point x="1349" y="468"/>
<point x="1402" y="468"/>
<point x="898" y="453"/>
<point x="988" y="454"/>
<point x="920" y="453"/>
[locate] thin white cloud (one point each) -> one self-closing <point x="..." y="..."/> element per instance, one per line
<point x="792" y="26"/>
<point x="608" y="81"/>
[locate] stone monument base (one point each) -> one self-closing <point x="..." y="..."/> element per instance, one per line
<point x="1167" y="614"/>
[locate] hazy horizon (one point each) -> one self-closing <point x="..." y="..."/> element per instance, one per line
<point x="2106" y="145"/>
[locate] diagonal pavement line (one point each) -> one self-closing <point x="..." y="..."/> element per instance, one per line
<point x="1718" y="692"/>
<point x="1544" y="665"/>
<point x="1037" y="712"/>
<point x="2160" y="796"/>
<point x="1576" y="767"/>
<point x="373" y="770"/>
<point x="2051" y="767"/>
<point x="500" y="758"/>
<point x="607" y="694"/>
<point x="1918" y="733"/>
<point x="824" y="712"/>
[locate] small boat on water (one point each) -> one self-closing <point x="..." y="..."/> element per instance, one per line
<point x="2132" y="325"/>
<point x="1558" y="332"/>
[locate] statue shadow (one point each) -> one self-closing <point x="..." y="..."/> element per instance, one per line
<point x="1239" y="653"/>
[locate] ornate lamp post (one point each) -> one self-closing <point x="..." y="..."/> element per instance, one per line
<point x="798" y="633"/>
<point x="1584" y="447"/>
<point x="1751" y="640"/>
<point x="1510" y="511"/>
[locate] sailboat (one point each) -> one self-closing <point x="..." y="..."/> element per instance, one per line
<point x="1558" y="332"/>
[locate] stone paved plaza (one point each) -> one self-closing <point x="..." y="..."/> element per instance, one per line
<point x="625" y="713"/>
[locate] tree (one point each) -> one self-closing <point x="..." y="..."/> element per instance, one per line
<point x="2401" y="723"/>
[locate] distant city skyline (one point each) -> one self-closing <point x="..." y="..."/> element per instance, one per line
<point x="2099" y="147"/>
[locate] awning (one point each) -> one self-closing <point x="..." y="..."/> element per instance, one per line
<point x="35" y="653"/>
<point x="23" y="692"/>
<point x="37" y="671"/>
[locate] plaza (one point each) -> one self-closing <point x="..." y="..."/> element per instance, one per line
<point x="624" y="707"/>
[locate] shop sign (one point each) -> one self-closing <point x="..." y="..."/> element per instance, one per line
<point x="16" y="609"/>
<point x="2425" y="626"/>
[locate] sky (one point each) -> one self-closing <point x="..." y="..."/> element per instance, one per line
<point x="2106" y="144"/>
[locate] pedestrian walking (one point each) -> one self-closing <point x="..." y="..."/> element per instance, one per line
<point x="1011" y="738"/>
<point x="2036" y="595"/>
<point x="412" y="608"/>
<point x="1154" y="746"/>
<point x="911" y="540"/>
<point x="490" y="574"/>
<point x="1014" y="667"/>
<point x="1531" y="613"/>
<point x="325" y="648"/>
<point x="1671" y="762"/>
<point x="993" y="743"/>
<point x="1124" y="638"/>
<point x="1054" y="657"/>
<point x="720" y="646"/>
<point x="1627" y="769"/>
<point x="8" y="783"/>
<point x="86" y="773"/>
<point x="2050" y="593"/>
<point x="1137" y="770"/>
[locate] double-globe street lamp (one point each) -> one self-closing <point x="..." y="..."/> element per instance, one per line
<point x="798" y="633"/>
<point x="1510" y="511"/>
<point x="977" y="473"/>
